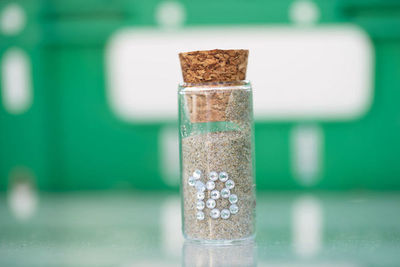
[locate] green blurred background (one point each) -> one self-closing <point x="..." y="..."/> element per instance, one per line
<point x="88" y="103"/>
<point x="63" y="134"/>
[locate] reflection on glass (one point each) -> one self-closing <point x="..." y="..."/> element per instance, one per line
<point x="171" y="227"/>
<point x="22" y="195"/>
<point x="238" y="254"/>
<point x="307" y="224"/>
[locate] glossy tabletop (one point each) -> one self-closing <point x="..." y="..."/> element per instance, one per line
<point x="345" y="229"/>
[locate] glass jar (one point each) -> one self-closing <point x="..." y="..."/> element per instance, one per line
<point x="217" y="161"/>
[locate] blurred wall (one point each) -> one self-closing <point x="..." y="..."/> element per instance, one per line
<point x="77" y="112"/>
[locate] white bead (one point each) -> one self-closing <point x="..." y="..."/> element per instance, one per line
<point x="210" y="185"/>
<point x="200" y="187"/>
<point x="200" y="195"/>
<point x="223" y="176"/>
<point x="230" y="184"/>
<point x="197" y="174"/>
<point x="200" y="215"/>
<point x="211" y="203"/>
<point x="234" y="209"/>
<point x="191" y="181"/>
<point x="214" y="213"/>
<point x="213" y="176"/>
<point x="233" y="199"/>
<point x="200" y="205"/>
<point x="225" y="213"/>
<point x="215" y="194"/>
<point x="225" y="193"/>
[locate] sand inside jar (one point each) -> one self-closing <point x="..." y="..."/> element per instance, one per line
<point x="225" y="151"/>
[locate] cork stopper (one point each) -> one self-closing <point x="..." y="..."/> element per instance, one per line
<point x="214" y="65"/>
<point x="207" y="67"/>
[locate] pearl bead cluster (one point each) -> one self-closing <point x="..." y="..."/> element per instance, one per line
<point x="211" y="203"/>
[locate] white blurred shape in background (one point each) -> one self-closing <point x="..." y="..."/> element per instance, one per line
<point x="22" y="195"/>
<point x="322" y="72"/>
<point x="12" y="19"/>
<point x="16" y="82"/>
<point x="304" y="12"/>
<point x="306" y="144"/>
<point x="169" y="155"/>
<point x="170" y="14"/>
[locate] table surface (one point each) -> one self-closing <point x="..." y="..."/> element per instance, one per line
<point x="144" y="229"/>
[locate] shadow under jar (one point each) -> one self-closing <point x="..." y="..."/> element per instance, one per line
<point x="217" y="161"/>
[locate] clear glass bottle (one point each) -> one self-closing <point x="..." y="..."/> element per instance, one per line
<point x="217" y="161"/>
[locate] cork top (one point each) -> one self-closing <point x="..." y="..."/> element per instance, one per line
<point x="214" y="65"/>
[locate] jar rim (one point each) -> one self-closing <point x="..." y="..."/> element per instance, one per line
<point x="243" y="84"/>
